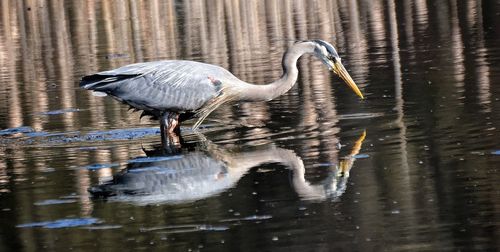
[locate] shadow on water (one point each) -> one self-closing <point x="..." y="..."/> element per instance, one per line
<point x="197" y="170"/>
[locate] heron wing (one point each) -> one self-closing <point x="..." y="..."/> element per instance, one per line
<point x="172" y="85"/>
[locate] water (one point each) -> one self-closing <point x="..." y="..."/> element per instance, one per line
<point x="412" y="167"/>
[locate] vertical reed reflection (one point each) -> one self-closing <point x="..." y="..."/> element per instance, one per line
<point x="46" y="46"/>
<point x="482" y="72"/>
<point x="10" y="42"/>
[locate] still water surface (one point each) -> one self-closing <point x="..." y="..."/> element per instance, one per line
<point x="412" y="167"/>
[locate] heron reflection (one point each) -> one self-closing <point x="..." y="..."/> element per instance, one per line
<point x="193" y="173"/>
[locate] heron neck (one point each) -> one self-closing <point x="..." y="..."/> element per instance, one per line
<point x="243" y="162"/>
<point x="253" y="92"/>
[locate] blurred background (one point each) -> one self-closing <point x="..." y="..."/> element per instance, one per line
<point x="425" y="178"/>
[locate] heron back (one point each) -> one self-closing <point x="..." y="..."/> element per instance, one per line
<point x="171" y="85"/>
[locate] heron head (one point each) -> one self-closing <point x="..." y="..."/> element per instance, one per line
<point x="327" y="53"/>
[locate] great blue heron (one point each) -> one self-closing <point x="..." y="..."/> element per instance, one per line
<point x="175" y="90"/>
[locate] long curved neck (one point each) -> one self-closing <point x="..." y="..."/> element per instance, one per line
<point x="252" y="92"/>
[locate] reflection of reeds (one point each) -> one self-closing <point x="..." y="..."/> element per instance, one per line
<point x="46" y="46"/>
<point x="49" y="38"/>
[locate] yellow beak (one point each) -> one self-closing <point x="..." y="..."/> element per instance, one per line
<point x="339" y="69"/>
<point x="346" y="164"/>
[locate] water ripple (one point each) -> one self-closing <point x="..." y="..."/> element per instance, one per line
<point x="61" y="223"/>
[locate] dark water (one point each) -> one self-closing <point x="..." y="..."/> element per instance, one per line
<point x="414" y="167"/>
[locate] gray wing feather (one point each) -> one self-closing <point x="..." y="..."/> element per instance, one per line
<point x="173" y="85"/>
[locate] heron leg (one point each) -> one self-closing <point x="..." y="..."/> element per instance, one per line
<point x="173" y="124"/>
<point x="169" y="127"/>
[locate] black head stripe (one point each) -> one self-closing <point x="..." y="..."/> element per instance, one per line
<point x="329" y="48"/>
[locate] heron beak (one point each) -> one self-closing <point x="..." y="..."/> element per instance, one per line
<point x="339" y="69"/>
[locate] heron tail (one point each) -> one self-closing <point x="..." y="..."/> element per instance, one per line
<point x="98" y="81"/>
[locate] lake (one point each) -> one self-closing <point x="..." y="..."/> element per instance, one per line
<point x="412" y="167"/>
